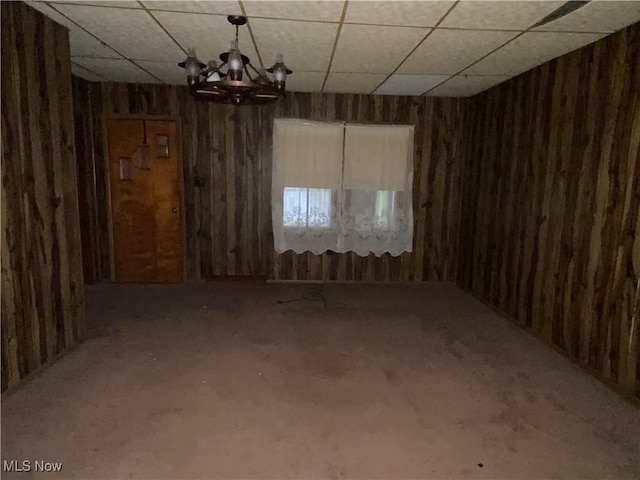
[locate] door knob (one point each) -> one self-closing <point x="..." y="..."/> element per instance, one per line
<point x="174" y="209"/>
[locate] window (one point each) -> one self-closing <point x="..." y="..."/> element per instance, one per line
<point x="342" y="187"/>
<point x="307" y="207"/>
<point x="373" y="210"/>
<point x="384" y="208"/>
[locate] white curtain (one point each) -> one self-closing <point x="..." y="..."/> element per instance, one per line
<point x="342" y="187"/>
<point x="307" y="173"/>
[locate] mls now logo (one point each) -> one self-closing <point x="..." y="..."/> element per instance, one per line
<point x="27" y="466"/>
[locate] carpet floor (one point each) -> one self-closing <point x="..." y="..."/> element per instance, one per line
<point x="254" y="381"/>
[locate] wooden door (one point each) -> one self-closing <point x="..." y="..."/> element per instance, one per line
<point x="145" y="201"/>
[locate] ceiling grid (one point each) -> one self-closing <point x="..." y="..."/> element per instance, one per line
<point x="335" y="43"/>
<point x="441" y="48"/>
<point x="436" y="79"/>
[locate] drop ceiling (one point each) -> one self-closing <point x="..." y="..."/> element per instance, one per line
<point x="439" y="48"/>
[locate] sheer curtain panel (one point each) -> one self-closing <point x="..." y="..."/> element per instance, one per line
<point x="377" y="214"/>
<point x="307" y="173"/>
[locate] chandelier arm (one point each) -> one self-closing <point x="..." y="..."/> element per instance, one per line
<point x="255" y="70"/>
<point x="246" y="70"/>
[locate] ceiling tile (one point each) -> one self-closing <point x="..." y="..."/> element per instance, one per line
<point x="211" y="35"/>
<point x="53" y="14"/>
<point x="409" y="84"/>
<point x="370" y="49"/>
<point x="597" y="16"/>
<point x="220" y="7"/>
<point x="306" y="45"/>
<point x="529" y="50"/>
<point x="466" y="85"/>
<point x="132" y="33"/>
<point x="82" y="44"/>
<point x="498" y="15"/>
<point x="353" y="82"/>
<point x="82" y="72"/>
<point x="168" y="72"/>
<point x="416" y="13"/>
<point x="115" y="70"/>
<point x="329" y="11"/>
<point x="305" y="81"/>
<point x="85" y="45"/>
<point x="101" y="3"/>
<point x="449" y="51"/>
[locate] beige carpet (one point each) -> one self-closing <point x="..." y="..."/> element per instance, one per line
<point x="289" y="381"/>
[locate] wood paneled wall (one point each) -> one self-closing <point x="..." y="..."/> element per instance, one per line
<point x="85" y="171"/>
<point x="93" y="188"/>
<point x="42" y="285"/>
<point x="228" y="221"/>
<point x="552" y="204"/>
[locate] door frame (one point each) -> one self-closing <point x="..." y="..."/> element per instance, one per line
<point x="181" y="183"/>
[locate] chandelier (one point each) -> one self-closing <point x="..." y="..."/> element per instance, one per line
<point x="232" y="82"/>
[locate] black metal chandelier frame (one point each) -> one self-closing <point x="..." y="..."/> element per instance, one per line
<point x="235" y="85"/>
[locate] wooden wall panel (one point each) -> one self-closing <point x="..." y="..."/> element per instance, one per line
<point x="552" y="204"/>
<point x="93" y="186"/>
<point x="42" y="284"/>
<point x="86" y="174"/>
<point x="228" y="221"/>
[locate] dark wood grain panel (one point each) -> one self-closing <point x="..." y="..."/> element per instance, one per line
<point x="228" y="220"/>
<point x="42" y="273"/>
<point x="86" y="172"/>
<point x="552" y="204"/>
